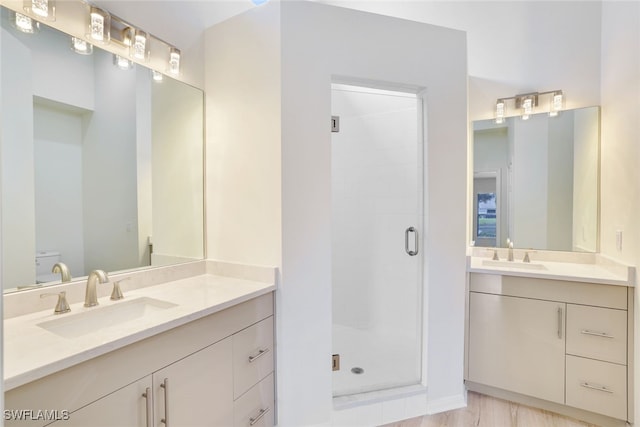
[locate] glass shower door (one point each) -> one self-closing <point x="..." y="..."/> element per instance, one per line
<point x="377" y="187"/>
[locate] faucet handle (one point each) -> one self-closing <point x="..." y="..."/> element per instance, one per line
<point x="526" y="256"/>
<point x="116" y="294"/>
<point x="62" y="305"/>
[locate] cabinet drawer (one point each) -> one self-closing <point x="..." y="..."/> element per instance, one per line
<point x="255" y="408"/>
<point x="597" y="386"/>
<point x="597" y="333"/>
<point x="252" y="355"/>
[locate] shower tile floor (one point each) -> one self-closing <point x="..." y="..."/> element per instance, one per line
<point x="387" y="360"/>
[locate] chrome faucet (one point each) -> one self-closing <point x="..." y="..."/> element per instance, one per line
<point x="510" y="253"/>
<point x="91" y="296"/>
<point x="61" y="267"/>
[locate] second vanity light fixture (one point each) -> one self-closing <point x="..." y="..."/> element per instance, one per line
<point x="527" y="102"/>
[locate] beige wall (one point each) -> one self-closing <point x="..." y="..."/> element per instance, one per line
<point x="620" y="182"/>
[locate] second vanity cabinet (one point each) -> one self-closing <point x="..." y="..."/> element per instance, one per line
<point x="558" y="341"/>
<point x="215" y="371"/>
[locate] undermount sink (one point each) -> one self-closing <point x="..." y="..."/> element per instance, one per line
<point x="513" y="264"/>
<point x="101" y="317"/>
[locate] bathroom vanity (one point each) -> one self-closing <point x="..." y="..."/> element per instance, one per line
<point x="556" y="335"/>
<point x="193" y="351"/>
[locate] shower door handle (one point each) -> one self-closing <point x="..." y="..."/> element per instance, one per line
<point x="415" y="239"/>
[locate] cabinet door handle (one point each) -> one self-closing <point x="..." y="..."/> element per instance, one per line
<point x="165" y="386"/>
<point x="148" y="406"/>
<point x="595" y="387"/>
<point x="596" y="334"/>
<point x="261" y="353"/>
<point x="262" y="413"/>
<point x="560" y="322"/>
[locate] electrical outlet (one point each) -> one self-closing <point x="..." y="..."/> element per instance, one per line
<point x="619" y="240"/>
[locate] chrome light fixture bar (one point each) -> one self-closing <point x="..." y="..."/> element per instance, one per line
<point x="101" y="28"/>
<point x="527" y="103"/>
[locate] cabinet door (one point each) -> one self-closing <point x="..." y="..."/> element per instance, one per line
<point x="124" y="407"/>
<point x="197" y="390"/>
<point x="517" y="344"/>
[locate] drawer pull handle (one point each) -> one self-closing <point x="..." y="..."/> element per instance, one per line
<point x="560" y="318"/>
<point x="262" y="413"/>
<point x="165" y="386"/>
<point x="596" y="387"/>
<point x="259" y="355"/>
<point x="148" y="407"/>
<point x="596" y="334"/>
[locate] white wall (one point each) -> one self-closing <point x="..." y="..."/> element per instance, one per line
<point x="530" y="182"/>
<point x="515" y="46"/>
<point x="58" y="184"/>
<point x="586" y="175"/>
<point x="620" y="181"/>
<point x="177" y="159"/>
<point x="109" y="171"/>
<point x="560" y="192"/>
<point x="16" y="150"/>
<point x="245" y="90"/>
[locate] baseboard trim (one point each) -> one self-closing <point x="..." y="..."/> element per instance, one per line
<point x="447" y="403"/>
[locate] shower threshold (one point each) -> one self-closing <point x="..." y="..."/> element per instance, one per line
<point x="377" y="396"/>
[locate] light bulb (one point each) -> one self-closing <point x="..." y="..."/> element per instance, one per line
<point x="122" y="62"/>
<point x="556" y="104"/>
<point x="157" y="75"/>
<point x="26" y="24"/>
<point x="174" y="61"/>
<point x="43" y="9"/>
<point x="40" y="7"/>
<point x="139" y="45"/>
<point x="500" y="111"/>
<point x="527" y="108"/>
<point x="81" y="46"/>
<point x="99" y="25"/>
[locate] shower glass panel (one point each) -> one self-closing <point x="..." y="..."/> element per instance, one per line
<point x="377" y="217"/>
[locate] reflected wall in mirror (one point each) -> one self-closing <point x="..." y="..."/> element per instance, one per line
<point x="535" y="181"/>
<point x="101" y="168"/>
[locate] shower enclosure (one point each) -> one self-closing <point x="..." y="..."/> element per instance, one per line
<point x="377" y="217"/>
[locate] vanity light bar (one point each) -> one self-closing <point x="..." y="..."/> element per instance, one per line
<point x="101" y="28"/>
<point x="527" y="102"/>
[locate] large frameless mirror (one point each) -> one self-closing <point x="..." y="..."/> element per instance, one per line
<point x="101" y="167"/>
<point x="535" y="182"/>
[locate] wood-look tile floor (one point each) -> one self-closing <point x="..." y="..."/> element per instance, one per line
<point x="486" y="411"/>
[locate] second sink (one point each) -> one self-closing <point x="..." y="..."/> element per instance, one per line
<point x="94" y="319"/>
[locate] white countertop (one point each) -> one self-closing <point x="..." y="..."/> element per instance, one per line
<point x="606" y="274"/>
<point x="31" y="352"/>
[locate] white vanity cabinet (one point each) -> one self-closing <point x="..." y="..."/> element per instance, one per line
<point x="186" y="376"/>
<point x="517" y="344"/>
<point x="555" y="341"/>
<point x="124" y="407"/>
